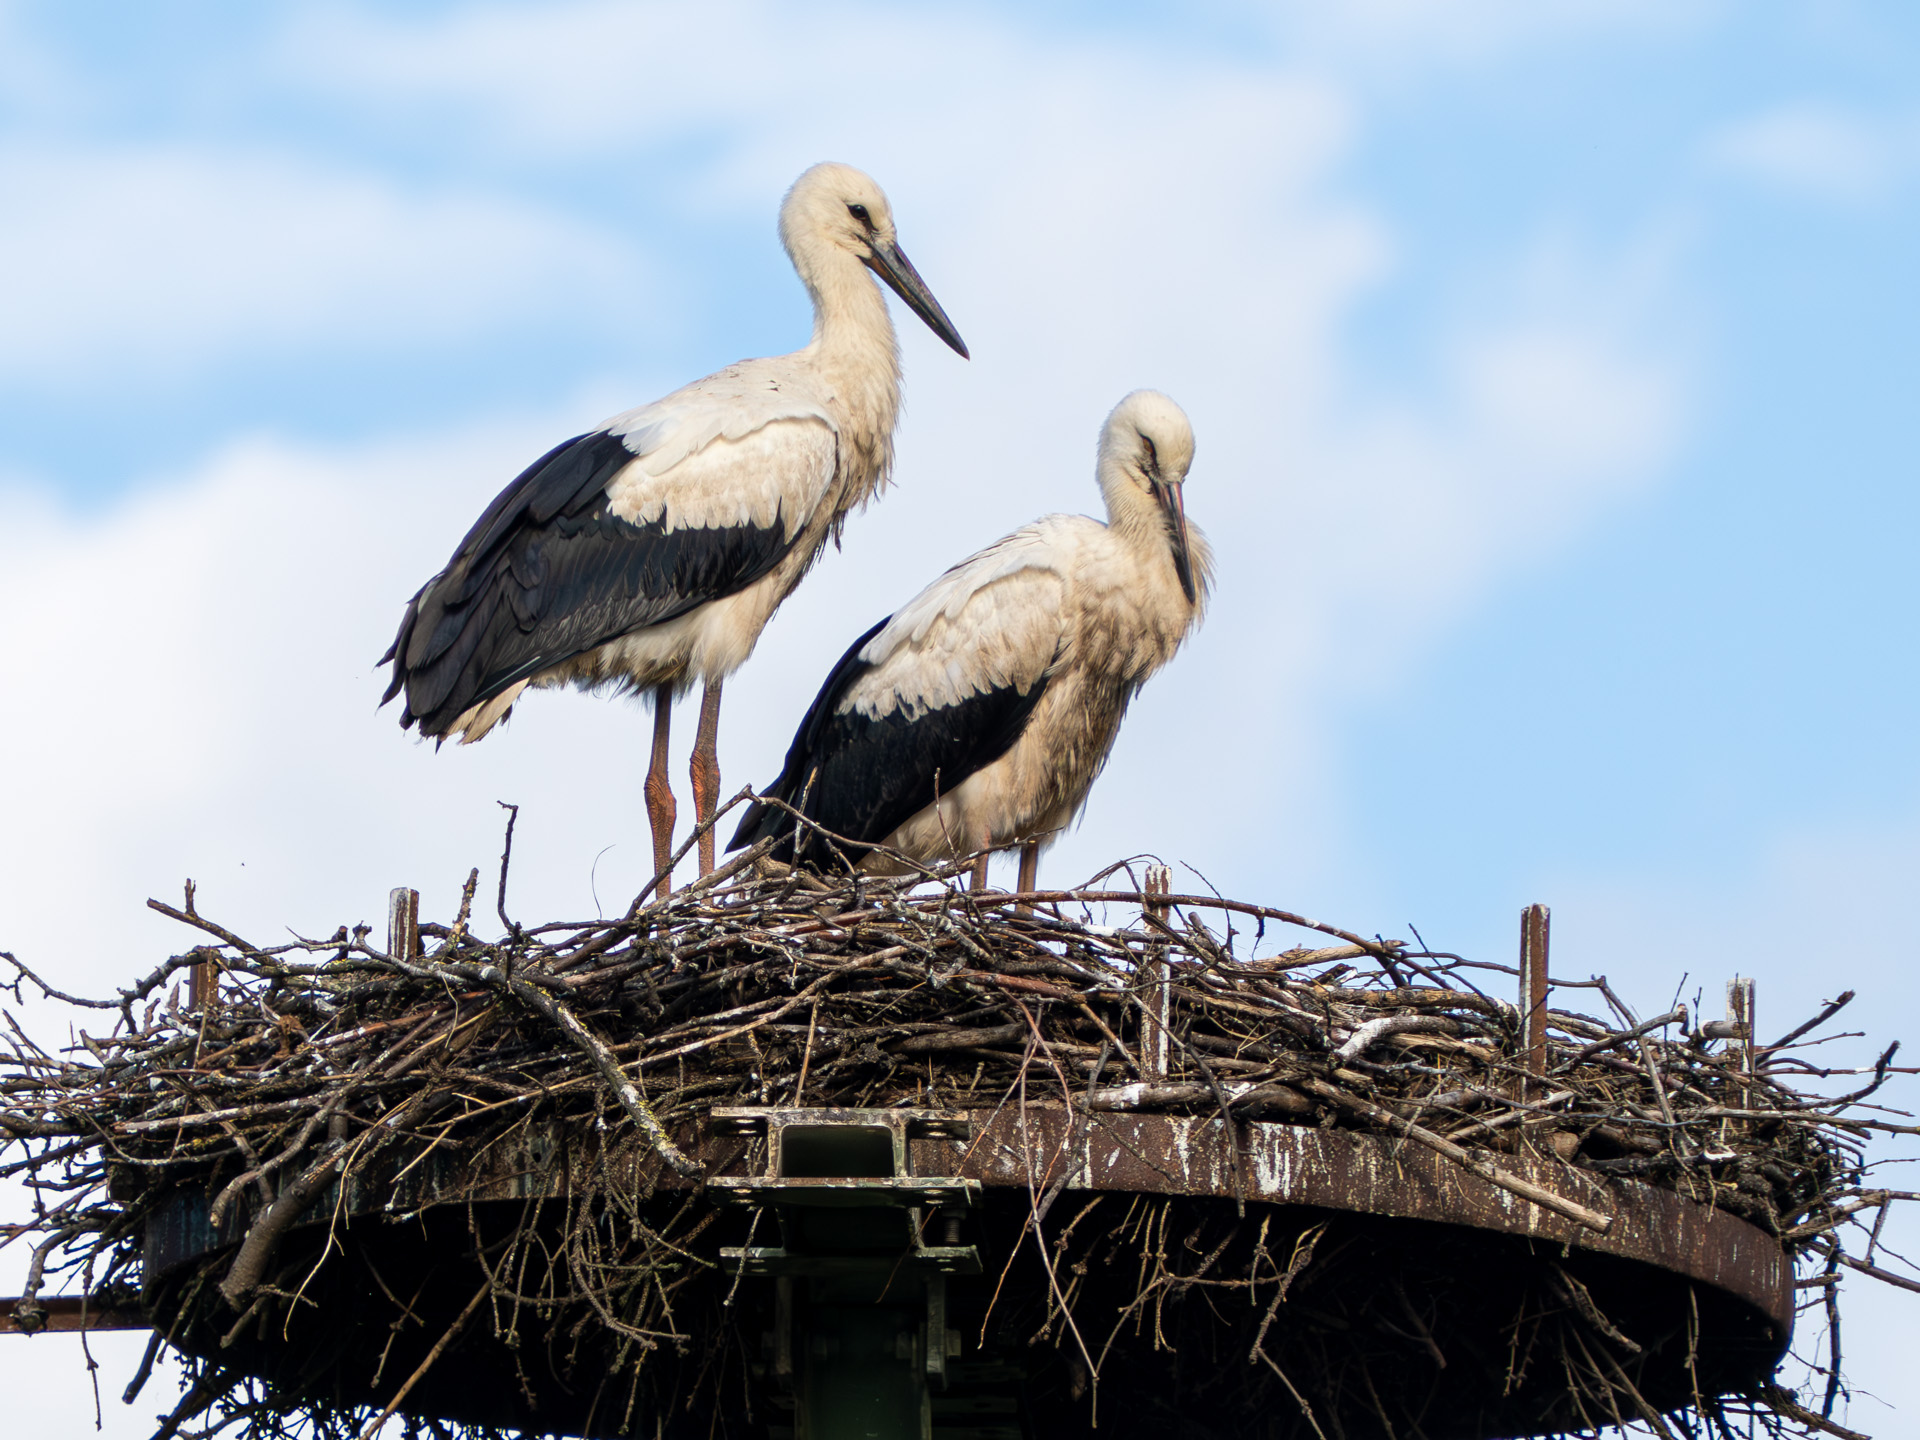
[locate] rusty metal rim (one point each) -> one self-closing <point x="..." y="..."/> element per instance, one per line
<point x="1170" y="1154"/>
<point x="1162" y="1154"/>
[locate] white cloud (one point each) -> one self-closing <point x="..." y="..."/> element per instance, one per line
<point x="589" y="74"/>
<point x="586" y="72"/>
<point x="1406" y="35"/>
<point x="155" y="260"/>
<point x="1818" y="150"/>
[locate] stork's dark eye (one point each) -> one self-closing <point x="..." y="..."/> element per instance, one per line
<point x="1153" y="455"/>
<point x="859" y="212"/>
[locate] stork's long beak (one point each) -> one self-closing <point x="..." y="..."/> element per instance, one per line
<point x="1176" y="513"/>
<point x="890" y="263"/>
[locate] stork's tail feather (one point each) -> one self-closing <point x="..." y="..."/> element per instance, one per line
<point x="759" y="823"/>
<point x="768" y="822"/>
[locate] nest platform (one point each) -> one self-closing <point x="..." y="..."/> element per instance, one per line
<point x="796" y="1158"/>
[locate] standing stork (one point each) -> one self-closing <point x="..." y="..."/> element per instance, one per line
<point x="653" y="550"/>
<point x="977" y="716"/>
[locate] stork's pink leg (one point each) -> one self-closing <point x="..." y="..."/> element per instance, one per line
<point x="980" y="872"/>
<point x="705" y="769"/>
<point x="660" y="806"/>
<point x="1029" y="867"/>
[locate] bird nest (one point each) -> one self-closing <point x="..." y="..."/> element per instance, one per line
<point x="584" y="1057"/>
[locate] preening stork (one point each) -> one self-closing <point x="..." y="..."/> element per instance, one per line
<point x="977" y="716"/>
<point x="652" y="551"/>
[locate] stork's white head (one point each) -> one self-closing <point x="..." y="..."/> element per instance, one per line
<point x="1145" y="452"/>
<point x="835" y="213"/>
<point x="1150" y="438"/>
<point x="839" y="205"/>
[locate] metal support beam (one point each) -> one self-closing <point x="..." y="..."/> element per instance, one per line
<point x="860" y="1338"/>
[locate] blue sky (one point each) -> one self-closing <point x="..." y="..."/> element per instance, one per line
<point x="1552" y="366"/>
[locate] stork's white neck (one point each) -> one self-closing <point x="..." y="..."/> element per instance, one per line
<point x="1135" y="518"/>
<point x="857" y="356"/>
<point x="1132" y="513"/>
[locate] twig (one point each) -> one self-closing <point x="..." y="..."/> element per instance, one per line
<point x="439" y="1349"/>
<point x="603" y="1062"/>
<point x="1485" y="1169"/>
<point x="506" y="858"/>
<point x="1782" y="1400"/>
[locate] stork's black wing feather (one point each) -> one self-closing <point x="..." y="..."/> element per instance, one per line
<point x="863" y="777"/>
<point x="547" y="573"/>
